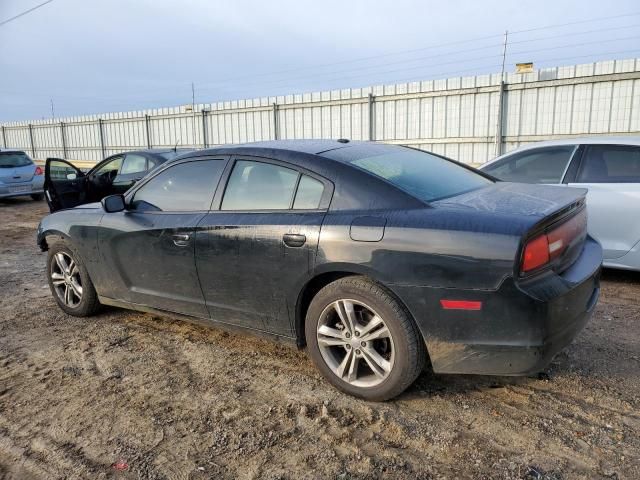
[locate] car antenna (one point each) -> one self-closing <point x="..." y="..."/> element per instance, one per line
<point x="175" y="147"/>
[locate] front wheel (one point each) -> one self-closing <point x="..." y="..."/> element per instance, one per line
<point x="69" y="281"/>
<point x="363" y="340"/>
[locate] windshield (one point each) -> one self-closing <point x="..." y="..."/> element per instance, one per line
<point x="422" y="174"/>
<point x="14" y="159"/>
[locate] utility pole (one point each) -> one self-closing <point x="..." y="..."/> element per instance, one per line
<point x="500" y="120"/>
<point x="53" y="115"/>
<point x="193" y="112"/>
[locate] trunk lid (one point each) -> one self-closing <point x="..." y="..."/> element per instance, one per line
<point x="516" y="199"/>
<point x="553" y="215"/>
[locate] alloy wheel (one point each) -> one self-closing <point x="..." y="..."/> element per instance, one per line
<point x="355" y="343"/>
<point x="65" y="277"/>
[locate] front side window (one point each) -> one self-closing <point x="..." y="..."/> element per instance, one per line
<point x="259" y="186"/>
<point x="186" y="187"/>
<point x="110" y="166"/>
<point x="610" y="164"/>
<point x="61" y="170"/>
<point x="14" y="159"/>
<point x="133" y="163"/>
<point x="543" y="165"/>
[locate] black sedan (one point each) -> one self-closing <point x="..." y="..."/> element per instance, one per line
<point x="66" y="186"/>
<point x="375" y="257"/>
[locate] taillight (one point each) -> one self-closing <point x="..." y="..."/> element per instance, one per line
<point x="536" y="253"/>
<point x="543" y="249"/>
<point x="39" y="171"/>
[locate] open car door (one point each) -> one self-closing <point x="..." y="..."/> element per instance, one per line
<point x="64" y="184"/>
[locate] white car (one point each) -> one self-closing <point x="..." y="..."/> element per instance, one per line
<point x="609" y="167"/>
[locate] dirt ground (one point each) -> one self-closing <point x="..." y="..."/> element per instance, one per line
<point x="127" y="395"/>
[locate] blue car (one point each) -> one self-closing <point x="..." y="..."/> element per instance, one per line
<point x="20" y="176"/>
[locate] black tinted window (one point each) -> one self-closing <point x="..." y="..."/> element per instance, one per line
<point x="544" y="165"/>
<point x="610" y="164"/>
<point x="14" y="159"/>
<point x="259" y="186"/>
<point x="184" y="187"/>
<point x="309" y="193"/>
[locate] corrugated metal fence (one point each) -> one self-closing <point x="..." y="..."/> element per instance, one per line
<point x="457" y="117"/>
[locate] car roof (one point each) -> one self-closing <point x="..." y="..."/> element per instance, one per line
<point x="593" y="140"/>
<point x="311" y="146"/>
<point x="11" y="150"/>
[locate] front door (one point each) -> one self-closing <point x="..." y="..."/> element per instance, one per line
<point x="611" y="173"/>
<point x="259" y="247"/>
<point x="64" y="184"/>
<point x="149" y="248"/>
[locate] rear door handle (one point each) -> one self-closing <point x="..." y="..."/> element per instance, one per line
<point x="293" y="240"/>
<point x="181" y="239"/>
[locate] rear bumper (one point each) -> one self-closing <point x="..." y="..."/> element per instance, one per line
<point x="520" y="327"/>
<point x="21" y="189"/>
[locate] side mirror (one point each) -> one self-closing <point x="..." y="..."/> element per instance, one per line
<point x="113" y="203"/>
<point x="71" y="176"/>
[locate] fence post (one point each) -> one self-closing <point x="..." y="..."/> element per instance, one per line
<point x="64" y="140"/>
<point x="371" y="117"/>
<point x="205" y="140"/>
<point x="147" y="128"/>
<point x="102" y="147"/>
<point x="276" y="133"/>
<point x="33" y="148"/>
<point x="4" y="137"/>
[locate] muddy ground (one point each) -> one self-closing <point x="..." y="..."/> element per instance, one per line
<point x="126" y="395"/>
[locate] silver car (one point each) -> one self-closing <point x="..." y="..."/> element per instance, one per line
<point x="19" y="175"/>
<point x="609" y="167"/>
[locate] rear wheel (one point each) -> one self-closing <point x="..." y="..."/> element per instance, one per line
<point x="69" y="281"/>
<point x="37" y="197"/>
<point x="363" y="340"/>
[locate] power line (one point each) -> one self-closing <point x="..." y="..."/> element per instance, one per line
<point x="24" y="13"/>
<point x="579" y="22"/>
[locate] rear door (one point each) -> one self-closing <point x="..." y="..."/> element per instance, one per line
<point x="148" y="249"/>
<point x="258" y="243"/>
<point x="64" y="184"/>
<point x="611" y="173"/>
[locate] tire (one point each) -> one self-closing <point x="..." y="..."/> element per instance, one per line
<point x="38" y="197"/>
<point x="73" y="291"/>
<point x="386" y="361"/>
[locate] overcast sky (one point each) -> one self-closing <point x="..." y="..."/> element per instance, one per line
<point x="95" y="56"/>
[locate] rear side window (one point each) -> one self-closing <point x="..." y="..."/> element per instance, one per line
<point x="610" y="164"/>
<point x="259" y="186"/>
<point x="186" y="187"/>
<point x="309" y="193"/>
<point x="133" y="163"/>
<point x="421" y="174"/>
<point x="543" y="165"/>
<point x="14" y="160"/>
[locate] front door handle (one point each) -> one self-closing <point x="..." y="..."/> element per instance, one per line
<point x="181" y="239"/>
<point x="293" y="240"/>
